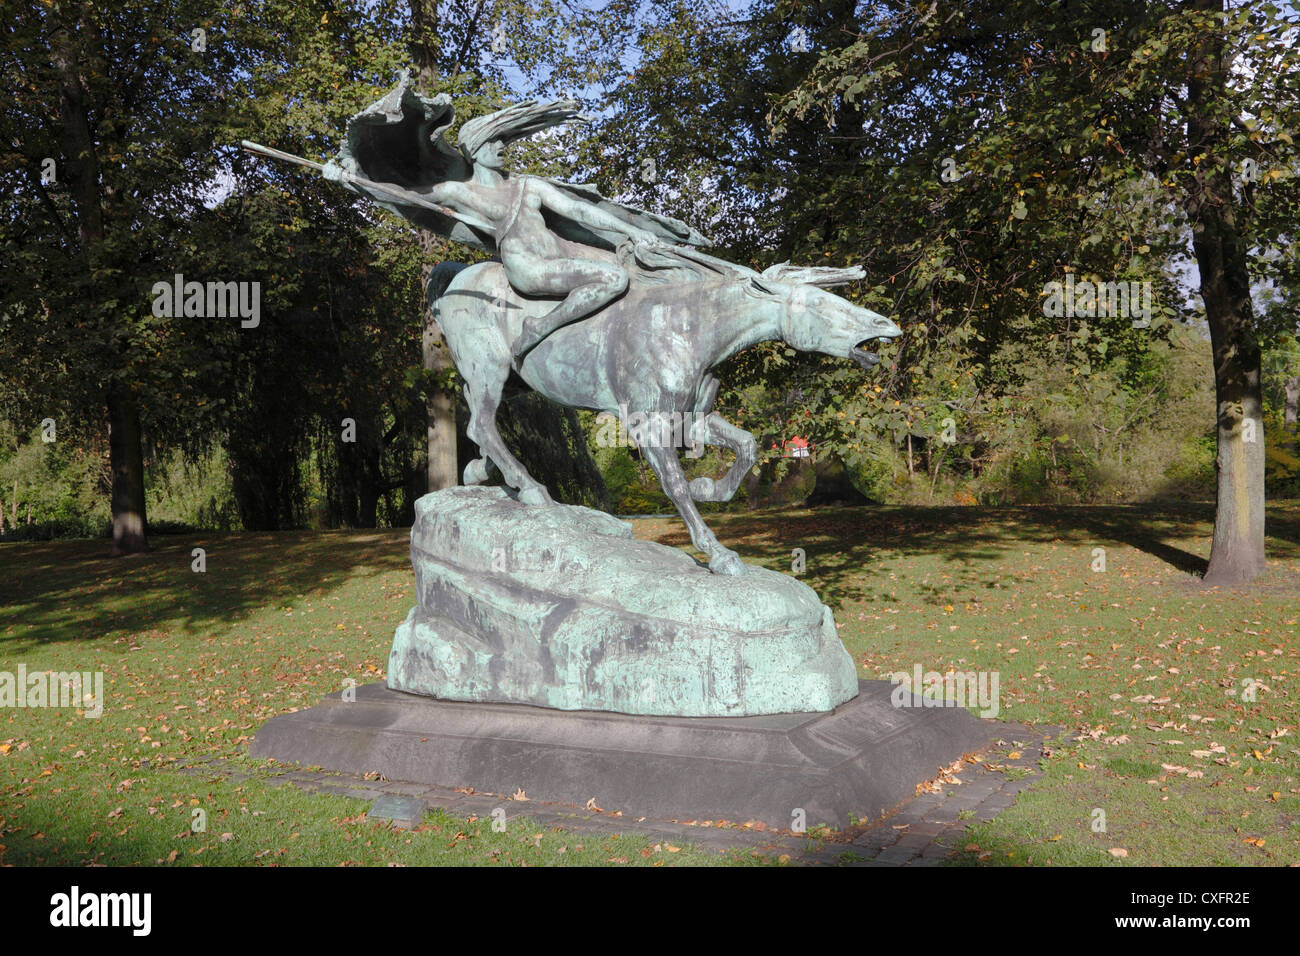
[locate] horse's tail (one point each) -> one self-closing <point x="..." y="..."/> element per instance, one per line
<point x="440" y="277"/>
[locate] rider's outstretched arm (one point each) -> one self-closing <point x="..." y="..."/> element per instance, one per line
<point x="589" y="214"/>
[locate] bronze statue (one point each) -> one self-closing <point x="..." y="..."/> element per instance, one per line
<point x="642" y="316"/>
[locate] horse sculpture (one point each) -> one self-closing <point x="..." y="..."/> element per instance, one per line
<point x="643" y="316"/>
<point x="595" y="305"/>
<point x="650" y="354"/>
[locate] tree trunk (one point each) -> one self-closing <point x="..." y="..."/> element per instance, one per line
<point x="367" y="506"/>
<point x="1292" y="403"/>
<point x="126" y="458"/>
<point x="1237" y="552"/>
<point x="440" y="406"/>
<point x="369" y="487"/>
<point x="751" y="487"/>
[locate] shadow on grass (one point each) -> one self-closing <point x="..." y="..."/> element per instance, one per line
<point x="49" y="586"/>
<point x="841" y="545"/>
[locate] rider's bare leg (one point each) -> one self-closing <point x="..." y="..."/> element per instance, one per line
<point x="590" y="286"/>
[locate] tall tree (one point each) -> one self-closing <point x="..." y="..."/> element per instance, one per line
<point x="109" y="123"/>
<point x="1054" y="116"/>
<point x="426" y="46"/>
<point x="486" y="53"/>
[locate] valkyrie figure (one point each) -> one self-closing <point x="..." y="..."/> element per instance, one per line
<point x="555" y="240"/>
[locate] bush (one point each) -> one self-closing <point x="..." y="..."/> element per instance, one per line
<point x="193" y="495"/>
<point x="59" y="491"/>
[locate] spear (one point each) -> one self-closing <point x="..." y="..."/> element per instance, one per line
<point x="396" y="193"/>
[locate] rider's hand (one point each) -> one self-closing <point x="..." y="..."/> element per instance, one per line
<point x="332" y="171"/>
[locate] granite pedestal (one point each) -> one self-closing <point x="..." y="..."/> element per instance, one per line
<point x="862" y="759"/>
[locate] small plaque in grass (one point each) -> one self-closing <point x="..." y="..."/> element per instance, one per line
<point x="403" y="812"/>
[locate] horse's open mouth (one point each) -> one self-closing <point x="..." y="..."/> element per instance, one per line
<point x="863" y="357"/>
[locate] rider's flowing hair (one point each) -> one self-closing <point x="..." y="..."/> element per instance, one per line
<point x="516" y="122"/>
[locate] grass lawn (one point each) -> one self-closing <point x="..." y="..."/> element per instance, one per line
<point x="1150" y="674"/>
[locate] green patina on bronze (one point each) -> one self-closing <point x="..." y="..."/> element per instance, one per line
<point x="561" y="607"/>
<point x="599" y="306"/>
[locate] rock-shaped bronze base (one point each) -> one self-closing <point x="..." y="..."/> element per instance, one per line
<point x="559" y="606"/>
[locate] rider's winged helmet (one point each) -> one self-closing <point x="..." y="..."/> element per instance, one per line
<point x="517" y="121"/>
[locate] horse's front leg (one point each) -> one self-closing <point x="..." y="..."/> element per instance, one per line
<point x="673" y="479"/>
<point x="713" y="429"/>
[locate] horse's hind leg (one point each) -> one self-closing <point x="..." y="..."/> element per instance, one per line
<point x="484" y="398"/>
<point x="478" y="471"/>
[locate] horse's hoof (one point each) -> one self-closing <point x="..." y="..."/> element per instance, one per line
<point x="476" y="472"/>
<point x="703" y="489"/>
<point x="727" y="562"/>
<point x="535" y="496"/>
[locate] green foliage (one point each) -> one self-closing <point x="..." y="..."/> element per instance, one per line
<point x="1066" y="158"/>
<point x="152" y="184"/>
<point x="1069" y="160"/>
<point x="630" y="484"/>
<point x="1282" y="455"/>
<point x="193" y="494"/>
<point x="50" y="490"/>
<point x="553" y="441"/>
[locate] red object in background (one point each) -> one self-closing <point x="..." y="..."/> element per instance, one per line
<point x="797" y="447"/>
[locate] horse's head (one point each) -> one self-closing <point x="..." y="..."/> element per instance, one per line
<point x="815" y="320"/>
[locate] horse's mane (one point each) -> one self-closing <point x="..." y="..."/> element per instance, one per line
<point x="661" y="265"/>
<point x="671" y="265"/>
